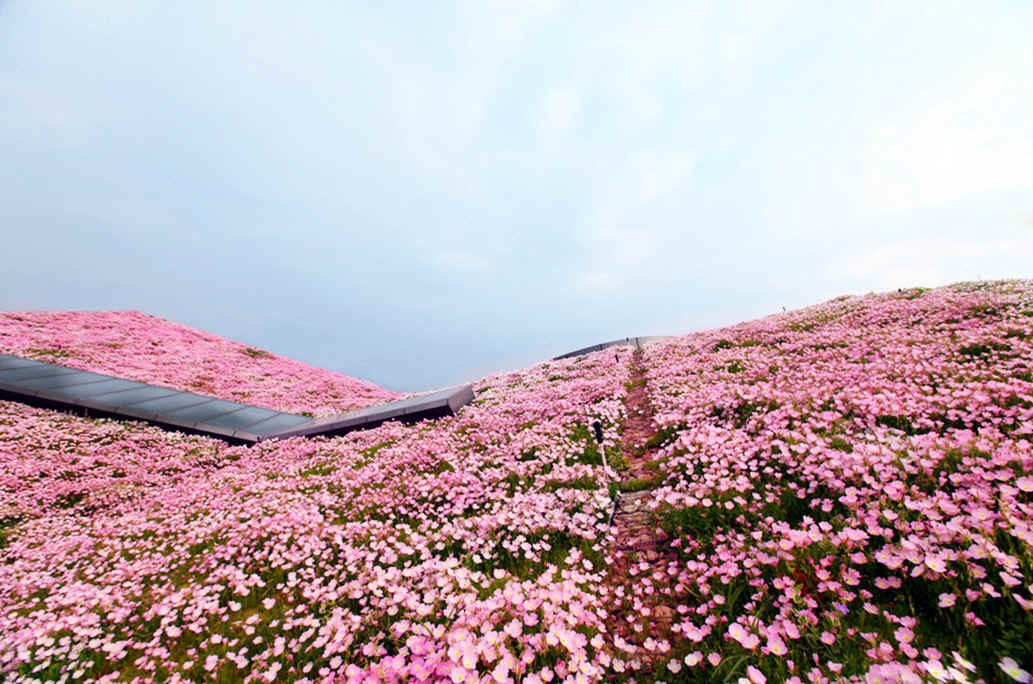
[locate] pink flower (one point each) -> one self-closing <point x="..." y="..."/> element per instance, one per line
<point x="776" y="645"/>
<point x="1012" y="669"/>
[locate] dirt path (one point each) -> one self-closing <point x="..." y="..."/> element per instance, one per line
<point x="640" y="546"/>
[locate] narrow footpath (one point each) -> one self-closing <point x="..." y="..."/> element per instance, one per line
<point x="640" y="545"/>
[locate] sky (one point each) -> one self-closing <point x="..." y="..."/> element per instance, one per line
<point x="421" y="194"/>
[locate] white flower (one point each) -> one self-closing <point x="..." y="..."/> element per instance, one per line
<point x="1012" y="669"/>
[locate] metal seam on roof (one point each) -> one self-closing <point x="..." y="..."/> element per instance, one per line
<point x="432" y="405"/>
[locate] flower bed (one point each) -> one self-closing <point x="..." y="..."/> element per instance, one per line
<point x="848" y="490"/>
<point x="851" y="489"/>
<point x="463" y="548"/>
<point x="133" y="345"/>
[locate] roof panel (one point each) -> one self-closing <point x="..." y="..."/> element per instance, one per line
<point x="30" y="372"/>
<point x="8" y="361"/>
<point x="53" y="386"/>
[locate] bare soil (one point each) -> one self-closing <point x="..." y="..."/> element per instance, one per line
<point x="640" y="546"/>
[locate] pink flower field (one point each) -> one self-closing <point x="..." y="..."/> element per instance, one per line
<point x="841" y="493"/>
<point x="133" y="345"/>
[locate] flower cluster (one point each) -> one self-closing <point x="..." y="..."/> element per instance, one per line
<point x="845" y="493"/>
<point x="850" y="489"/>
<point x="133" y="345"/>
<point x="465" y="549"/>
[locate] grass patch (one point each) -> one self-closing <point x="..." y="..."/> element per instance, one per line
<point x="902" y="423"/>
<point x="6" y="523"/>
<point x="639" y="484"/>
<point x="664" y="436"/>
<point x="584" y="482"/>
<point x="51" y="354"/>
<point x="981" y="350"/>
<point x="841" y="444"/>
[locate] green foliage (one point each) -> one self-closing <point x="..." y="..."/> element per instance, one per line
<point x="6" y="523"/>
<point x="984" y="311"/>
<point x="664" y="436"/>
<point x="528" y="454"/>
<point x="722" y="344"/>
<point x="51" y="354"/>
<point x="639" y="484"/>
<point x="700" y="523"/>
<point x="1013" y="400"/>
<point x="740" y="415"/>
<point x="257" y="353"/>
<point x="842" y="445"/>
<point x="321" y="470"/>
<point x="443" y="466"/>
<point x="902" y="423"/>
<point x="589" y="454"/>
<point x="69" y="499"/>
<point x="981" y="350"/>
<point x="584" y="482"/>
<point x="512" y="482"/>
<point x="615" y="457"/>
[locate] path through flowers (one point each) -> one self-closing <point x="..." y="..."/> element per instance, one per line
<point x="840" y="493"/>
<point x="639" y="544"/>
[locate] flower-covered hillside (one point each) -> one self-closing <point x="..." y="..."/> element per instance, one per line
<point x="850" y="489"/>
<point x="133" y="345"/>
<point x="839" y="493"/>
<point x="458" y="549"/>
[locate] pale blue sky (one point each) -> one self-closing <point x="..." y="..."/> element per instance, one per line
<point x="423" y="193"/>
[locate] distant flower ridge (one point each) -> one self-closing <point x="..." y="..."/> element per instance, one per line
<point x="136" y="346"/>
<point x="845" y="493"/>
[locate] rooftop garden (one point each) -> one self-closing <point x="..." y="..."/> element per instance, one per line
<point x="840" y="493"/>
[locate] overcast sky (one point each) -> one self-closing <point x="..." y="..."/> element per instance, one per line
<point x="423" y="193"/>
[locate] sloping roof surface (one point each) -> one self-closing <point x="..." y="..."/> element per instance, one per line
<point x="53" y="386"/>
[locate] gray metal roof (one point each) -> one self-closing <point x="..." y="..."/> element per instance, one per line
<point x="636" y="342"/>
<point x="53" y="386"/>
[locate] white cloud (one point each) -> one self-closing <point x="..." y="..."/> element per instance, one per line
<point x="558" y="112"/>
<point x="630" y="220"/>
<point x="937" y="257"/>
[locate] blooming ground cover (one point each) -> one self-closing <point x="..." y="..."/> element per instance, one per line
<point x="850" y="488"/>
<point x="464" y="548"/>
<point x="846" y="492"/>
<point x="133" y="345"/>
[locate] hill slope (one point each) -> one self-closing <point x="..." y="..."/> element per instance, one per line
<point x="136" y="346"/>
<point x="842" y="491"/>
